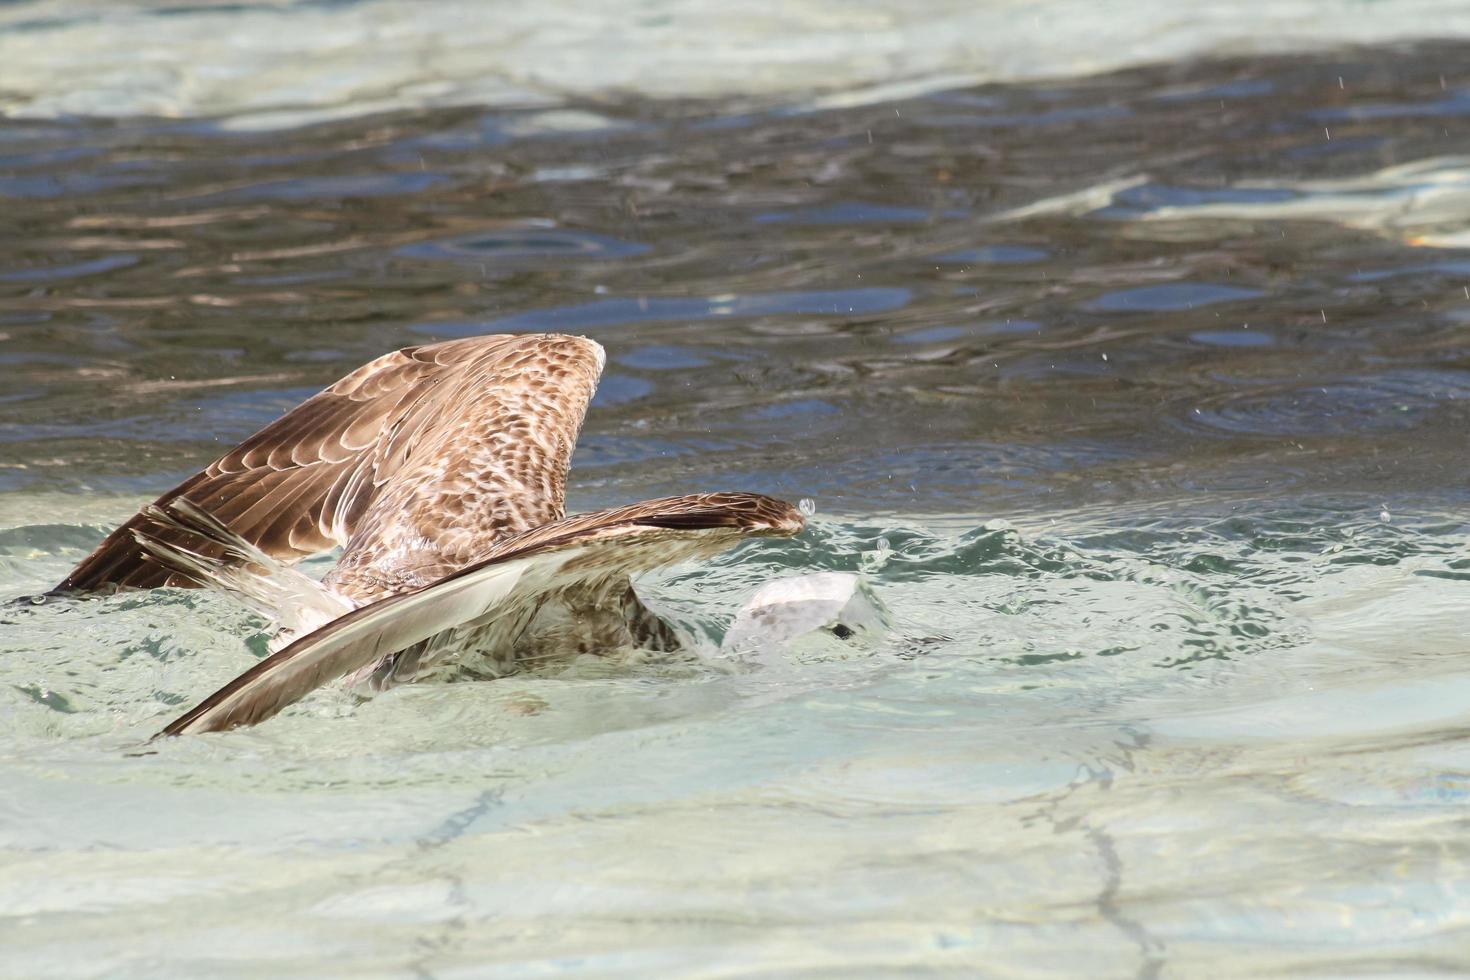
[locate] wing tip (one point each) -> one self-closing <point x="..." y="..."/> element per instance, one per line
<point x="776" y="517"/>
<point x="189" y="724"/>
<point x="591" y="346"/>
<point x="584" y="345"/>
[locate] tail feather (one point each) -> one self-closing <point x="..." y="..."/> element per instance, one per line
<point x="294" y="601"/>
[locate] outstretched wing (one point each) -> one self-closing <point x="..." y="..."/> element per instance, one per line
<point x="411" y="440"/>
<point x="502" y="587"/>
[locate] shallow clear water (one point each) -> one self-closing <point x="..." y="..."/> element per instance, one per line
<point x="1139" y="401"/>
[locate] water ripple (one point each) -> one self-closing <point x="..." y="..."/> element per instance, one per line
<point x="611" y="312"/>
<point x="1169" y="297"/>
<point x="1391" y="401"/>
<point x="525" y="245"/>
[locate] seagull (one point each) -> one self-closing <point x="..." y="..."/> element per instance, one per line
<point x="440" y="470"/>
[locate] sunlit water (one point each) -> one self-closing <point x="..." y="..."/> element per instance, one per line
<point x="1138" y="402"/>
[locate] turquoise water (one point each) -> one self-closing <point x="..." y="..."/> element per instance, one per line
<point x="1137" y="401"/>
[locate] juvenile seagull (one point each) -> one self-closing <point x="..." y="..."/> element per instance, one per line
<point x="441" y="471"/>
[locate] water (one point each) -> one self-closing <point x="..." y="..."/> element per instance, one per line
<point x="1138" y="401"/>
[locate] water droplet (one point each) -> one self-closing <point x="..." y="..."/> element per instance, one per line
<point x="1383" y="514"/>
<point x="807" y="506"/>
<point x="872" y="562"/>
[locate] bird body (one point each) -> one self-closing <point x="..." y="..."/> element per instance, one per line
<point x="440" y="470"/>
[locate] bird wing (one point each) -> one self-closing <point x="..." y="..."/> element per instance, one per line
<point x="454" y="442"/>
<point x="503" y="587"/>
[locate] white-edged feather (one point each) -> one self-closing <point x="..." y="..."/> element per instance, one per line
<point x="295" y="602"/>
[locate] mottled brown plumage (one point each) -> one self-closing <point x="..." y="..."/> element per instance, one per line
<point x="414" y="463"/>
<point x="441" y="472"/>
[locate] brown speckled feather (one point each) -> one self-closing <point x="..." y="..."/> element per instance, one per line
<point x="414" y="463"/>
<point x="496" y="596"/>
<point x="441" y="471"/>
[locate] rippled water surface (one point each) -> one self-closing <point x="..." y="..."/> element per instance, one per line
<point x="1139" y="402"/>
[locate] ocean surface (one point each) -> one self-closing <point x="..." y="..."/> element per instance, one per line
<point x="1124" y="356"/>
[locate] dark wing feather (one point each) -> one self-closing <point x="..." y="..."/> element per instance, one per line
<point x="516" y="574"/>
<point x="417" y="429"/>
